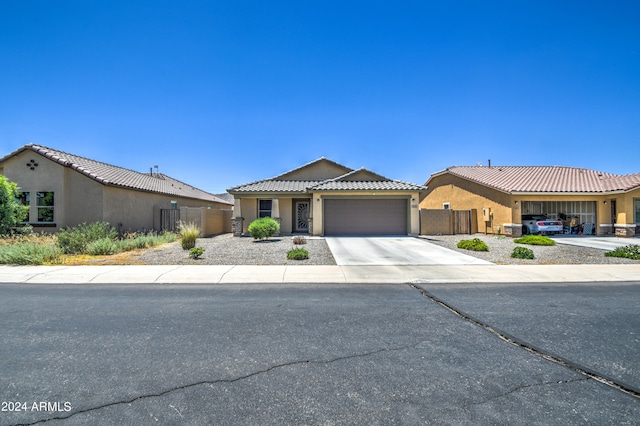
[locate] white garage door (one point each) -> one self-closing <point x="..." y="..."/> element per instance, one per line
<point x="365" y="217"/>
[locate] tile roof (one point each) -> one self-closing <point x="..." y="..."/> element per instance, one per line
<point x="110" y="175"/>
<point x="345" y="182"/>
<point x="544" y="179"/>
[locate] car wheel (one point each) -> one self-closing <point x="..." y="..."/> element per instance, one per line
<point x="525" y="230"/>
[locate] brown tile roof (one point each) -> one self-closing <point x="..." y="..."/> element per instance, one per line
<point x="108" y="174"/>
<point x="345" y="182"/>
<point x="543" y="179"/>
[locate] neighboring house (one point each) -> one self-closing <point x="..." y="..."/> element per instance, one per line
<point x="64" y="190"/>
<point x="327" y="198"/>
<point x="501" y="195"/>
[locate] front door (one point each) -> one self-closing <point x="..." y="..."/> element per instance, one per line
<point x="302" y="216"/>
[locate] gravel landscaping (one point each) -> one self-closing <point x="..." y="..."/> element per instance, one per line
<point x="500" y="248"/>
<point x="228" y="250"/>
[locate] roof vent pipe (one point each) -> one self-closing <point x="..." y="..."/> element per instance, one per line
<point x="489" y="162"/>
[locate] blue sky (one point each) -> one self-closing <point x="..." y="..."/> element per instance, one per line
<point x="221" y="93"/>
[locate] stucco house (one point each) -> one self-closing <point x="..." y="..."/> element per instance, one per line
<point x="64" y="189"/>
<point x="327" y="198"/>
<point x="608" y="203"/>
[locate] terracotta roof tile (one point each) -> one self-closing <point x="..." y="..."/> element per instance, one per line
<point x="544" y="178"/>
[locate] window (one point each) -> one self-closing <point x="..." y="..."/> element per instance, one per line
<point x="264" y="208"/>
<point x="446" y="206"/>
<point x="636" y="208"/>
<point x="44" y="203"/>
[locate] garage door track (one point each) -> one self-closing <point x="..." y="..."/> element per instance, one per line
<point x="395" y="251"/>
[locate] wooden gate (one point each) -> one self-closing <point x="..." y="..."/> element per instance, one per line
<point x="169" y="219"/>
<point x="462" y="221"/>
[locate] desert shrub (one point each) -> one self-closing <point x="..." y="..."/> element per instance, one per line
<point x="631" y="251"/>
<point x="188" y="233"/>
<point x="30" y="253"/>
<point x="522" y="253"/>
<point x="196" y="252"/>
<point x="299" y="239"/>
<point x="298" y="254"/>
<point x="103" y="246"/>
<point x="75" y="240"/>
<point x="476" y="245"/>
<point x="536" y="240"/>
<point x="263" y="228"/>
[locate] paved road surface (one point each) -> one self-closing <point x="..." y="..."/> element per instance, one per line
<point x="315" y="354"/>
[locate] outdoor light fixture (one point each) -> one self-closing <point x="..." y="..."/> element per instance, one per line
<point x="516" y="202"/>
<point x="605" y="201"/>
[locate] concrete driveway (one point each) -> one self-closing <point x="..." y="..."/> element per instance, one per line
<point x="395" y="251"/>
<point x="602" y="243"/>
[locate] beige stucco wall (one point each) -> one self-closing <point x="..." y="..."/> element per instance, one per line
<point x="249" y="211"/>
<point x="78" y="198"/>
<point x="464" y="195"/>
<point x="210" y="221"/>
<point x="249" y="208"/>
<point x="47" y="176"/>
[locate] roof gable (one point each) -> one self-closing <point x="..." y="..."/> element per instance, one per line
<point x="110" y="175"/>
<point x="320" y="169"/>
<point x="361" y="175"/>
<point x="348" y="180"/>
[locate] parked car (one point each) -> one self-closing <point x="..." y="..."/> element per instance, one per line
<point x="539" y="224"/>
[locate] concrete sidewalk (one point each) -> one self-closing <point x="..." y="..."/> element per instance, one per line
<point x="223" y="274"/>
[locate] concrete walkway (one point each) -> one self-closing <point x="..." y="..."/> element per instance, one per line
<point x="225" y="274"/>
<point x="602" y="243"/>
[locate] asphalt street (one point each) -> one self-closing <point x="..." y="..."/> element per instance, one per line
<point x="316" y="354"/>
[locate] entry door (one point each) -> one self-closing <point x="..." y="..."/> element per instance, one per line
<point x="302" y="216"/>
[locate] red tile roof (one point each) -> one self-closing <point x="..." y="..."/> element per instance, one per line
<point x="558" y="179"/>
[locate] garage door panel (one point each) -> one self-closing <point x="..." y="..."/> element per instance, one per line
<point x="365" y="217"/>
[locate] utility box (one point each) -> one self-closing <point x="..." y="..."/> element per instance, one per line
<point x="486" y="214"/>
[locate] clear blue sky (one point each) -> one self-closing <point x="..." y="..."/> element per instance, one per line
<point x="221" y="93"/>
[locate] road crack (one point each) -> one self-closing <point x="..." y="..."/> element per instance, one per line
<point x="523" y="387"/>
<point x="231" y="380"/>
<point x="587" y="372"/>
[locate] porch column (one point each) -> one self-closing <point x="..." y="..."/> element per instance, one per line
<point x="275" y="213"/>
<point x="237" y="219"/>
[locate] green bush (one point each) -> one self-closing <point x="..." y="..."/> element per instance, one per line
<point x="522" y="253"/>
<point x="75" y="240"/>
<point x="536" y="240"/>
<point x="30" y="253"/>
<point x="298" y="254"/>
<point x="476" y="245"/>
<point x="188" y="234"/>
<point x="102" y="247"/>
<point x="12" y="212"/>
<point x="196" y="252"/>
<point x="263" y="228"/>
<point x="631" y="251"/>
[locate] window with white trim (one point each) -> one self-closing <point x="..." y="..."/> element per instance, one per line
<point x="446" y="206"/>
<point x="44" y="206"/>
<point x="24" y="198"/>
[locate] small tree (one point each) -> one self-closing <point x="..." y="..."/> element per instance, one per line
<point x="12" y="212"/>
